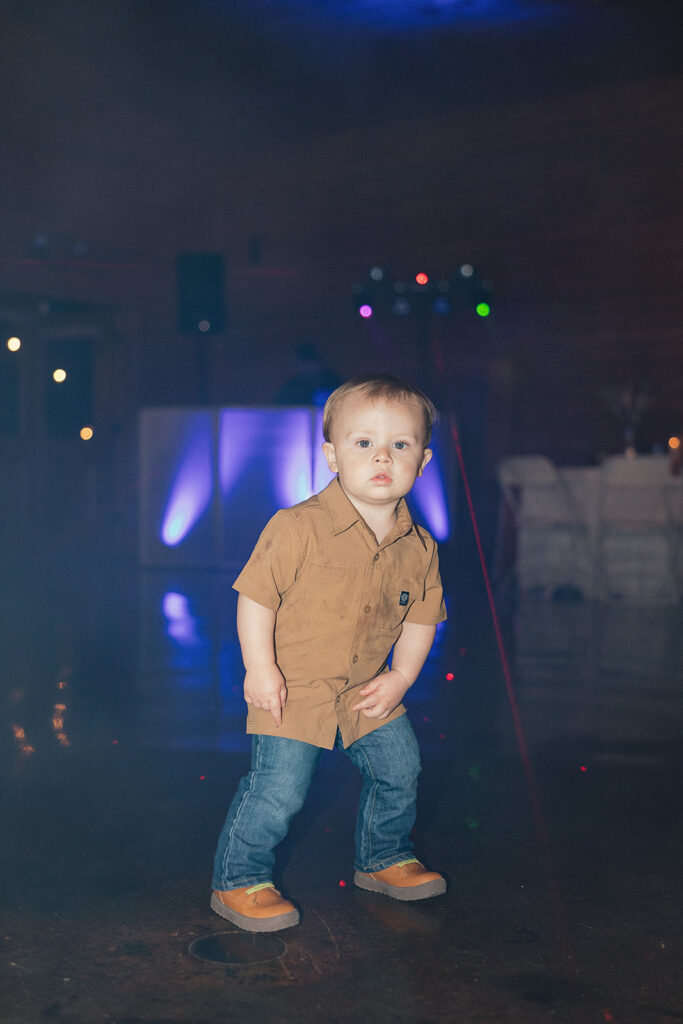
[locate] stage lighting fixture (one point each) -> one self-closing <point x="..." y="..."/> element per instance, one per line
<point x="59" y="376"/>
<point x="86" y="433"/>
<point x="13" y="344"/>
<point x="422" y="295"/>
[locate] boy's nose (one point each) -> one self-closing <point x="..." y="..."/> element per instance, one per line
<point x="382" y="455"/>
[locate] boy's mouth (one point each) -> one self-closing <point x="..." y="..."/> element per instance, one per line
<point x="381" y="478"/>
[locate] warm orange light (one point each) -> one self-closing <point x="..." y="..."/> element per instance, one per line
<point x="20" y="736"/>
<point x="59" y="376"/>
<point x="674" y="443"/>
<point x="14" y="344"/>
<point x="86" y="433"/>
<point x="421" y="278"/>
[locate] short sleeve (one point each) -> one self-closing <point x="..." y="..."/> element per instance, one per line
<point x="274" y="562"/>
<point x="431" y="609"/>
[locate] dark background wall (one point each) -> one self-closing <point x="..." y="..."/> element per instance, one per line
<point x="544" y="149"/>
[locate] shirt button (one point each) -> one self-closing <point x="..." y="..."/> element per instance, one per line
<point x="375" y="558"/>
<point x="354" y="659"/>
<point x="367" y="608"/>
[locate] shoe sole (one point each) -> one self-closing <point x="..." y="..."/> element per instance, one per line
<point x="255" y="924"/>
<point x="400" y="892"/>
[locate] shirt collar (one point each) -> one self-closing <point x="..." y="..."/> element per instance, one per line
<point x="344" y="513"/>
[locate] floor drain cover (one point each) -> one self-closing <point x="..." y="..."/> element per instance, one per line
<point x="238" y="948"/>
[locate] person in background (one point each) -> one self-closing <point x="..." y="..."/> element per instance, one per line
<point x="313" y="382"/>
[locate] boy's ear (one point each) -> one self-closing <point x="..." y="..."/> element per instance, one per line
<point x="328" y="452"/>
<point x="425" y="459"/>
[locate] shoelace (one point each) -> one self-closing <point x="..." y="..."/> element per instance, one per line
<point x="258" y="888"/>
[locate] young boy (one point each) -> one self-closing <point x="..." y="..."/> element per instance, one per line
<point x="333" y="585"/>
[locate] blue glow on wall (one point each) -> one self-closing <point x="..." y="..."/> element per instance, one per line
<point x="193" y="485"/>
<point x="181" y="625"/>
<point x="321" y="471"/>
<point x="263" y="459"/>
<point x="291" y="459"/>
<point x="429" y="497"/>
<point x="236" y="436"/>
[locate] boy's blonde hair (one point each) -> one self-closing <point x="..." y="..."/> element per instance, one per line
<point x="379" y="385"/>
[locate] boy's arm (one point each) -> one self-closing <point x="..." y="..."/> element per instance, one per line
<point x="386" y="691"/>
<point x="264" y="684"/>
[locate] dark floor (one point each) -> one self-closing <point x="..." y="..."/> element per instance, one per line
<point x="121" y="742"/>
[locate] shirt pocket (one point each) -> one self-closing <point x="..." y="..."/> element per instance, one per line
<point x="399" y="593"/>
<point x="330" y="599"/>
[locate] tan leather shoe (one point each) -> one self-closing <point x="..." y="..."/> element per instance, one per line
<point x="408" y="880"/>
<point x="256" y="908"/>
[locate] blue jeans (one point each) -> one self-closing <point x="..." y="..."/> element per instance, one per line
<point x="274" y="790"/>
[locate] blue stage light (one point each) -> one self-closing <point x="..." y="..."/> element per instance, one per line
<point x="193" y="485"/>
<point x="181" y="625"/>
<point x="390" y="15"/>
<point x="236" y="437"/>
<point x="292" y="459"/>
<point x="429" y="495"/>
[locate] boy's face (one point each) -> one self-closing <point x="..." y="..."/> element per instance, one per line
<point x="377" y="448"/>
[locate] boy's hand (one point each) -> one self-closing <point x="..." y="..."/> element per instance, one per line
<point x="382" y="694"/>
<point x="265" y="688"/>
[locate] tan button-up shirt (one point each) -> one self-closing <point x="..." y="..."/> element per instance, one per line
<point x="340" y="600"/>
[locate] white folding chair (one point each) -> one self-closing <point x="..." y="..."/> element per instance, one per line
<point x="638" y="540"/>
<point x="552" y="543"/>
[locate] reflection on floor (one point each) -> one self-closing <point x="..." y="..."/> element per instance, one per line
<point x="121" y="741"/>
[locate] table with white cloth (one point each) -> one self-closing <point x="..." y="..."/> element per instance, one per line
<point x="639" y="558"/>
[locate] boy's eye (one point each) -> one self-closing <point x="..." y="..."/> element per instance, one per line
<point x="400" y="445"/>
<point x="364" y="443"/>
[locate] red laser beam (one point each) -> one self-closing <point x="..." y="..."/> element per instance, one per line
<point x="539" y="822"/>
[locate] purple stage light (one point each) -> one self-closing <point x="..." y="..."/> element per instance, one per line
<point x="292" y="456"/>
<point x="180" y="623"/>
<point x="429" y="496"/>
<point x="236" y="433"/>
<point x="193" y="485"/>
<point x="322" y="474"/>
<point x="365" y="311"/>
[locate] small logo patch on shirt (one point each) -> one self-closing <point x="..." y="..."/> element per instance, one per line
<point x="405" y="595"/>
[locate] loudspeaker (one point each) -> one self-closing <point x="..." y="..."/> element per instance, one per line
<point x="201" y="292"/>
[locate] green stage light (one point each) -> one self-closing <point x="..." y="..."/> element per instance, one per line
<point x="483" y="309"/>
